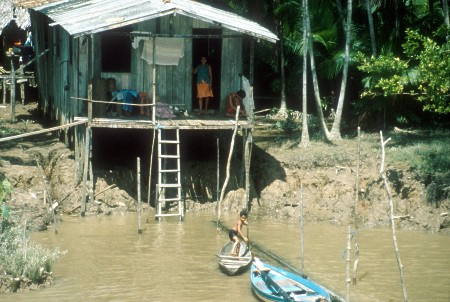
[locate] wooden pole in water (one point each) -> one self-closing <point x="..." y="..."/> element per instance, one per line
<point x="355" y="211"/>
<point x="149" y="189"/>
<point x="55" y="220"/>
<point x="139" y="193"/>
<point x="302" y="244"/>
<point x="392" y="217"/>
<point x="248" y="156"/>
<point x="230" y="154"/>
<point x="218" y="171"/>
<point x="347" y="272"/>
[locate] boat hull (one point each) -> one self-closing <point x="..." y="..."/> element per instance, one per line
<point x="234" y="265"/>
<point x="270" y="283"/>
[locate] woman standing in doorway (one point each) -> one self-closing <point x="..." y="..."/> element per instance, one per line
<point x="204" y="84"/>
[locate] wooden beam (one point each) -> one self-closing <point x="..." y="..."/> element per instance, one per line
<point x="4" y="139"/>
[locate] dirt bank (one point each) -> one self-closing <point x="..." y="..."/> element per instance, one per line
<point x="326" y="174"/>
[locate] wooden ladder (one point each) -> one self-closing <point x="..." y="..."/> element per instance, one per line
<point x="169" y="173"/>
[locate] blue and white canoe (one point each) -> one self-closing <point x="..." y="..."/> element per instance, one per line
<point x="272" y="283"/>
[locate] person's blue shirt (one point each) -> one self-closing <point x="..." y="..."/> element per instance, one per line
<point x="203" y="74"/>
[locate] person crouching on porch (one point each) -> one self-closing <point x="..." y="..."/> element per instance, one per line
<point x="233" y="101"/>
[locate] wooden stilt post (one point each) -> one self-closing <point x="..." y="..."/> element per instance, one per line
<point x="218" y="171"/>
<point x="154" y="83"/>
<point x="138" y="168"/>
<point x="248" y="156"/>
<point x="91" y="173"/>
<point x="5" y="86"/>
<point x="87" y="151"/>
<point x="13" y="90"/>
<point x="241" y="178"/>
<point x="77" y="155"/>
<point x="22" y="92"/>
<point x="85" y="170"/>
<point x="149" y="188"/>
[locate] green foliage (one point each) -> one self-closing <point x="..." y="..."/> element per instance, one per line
<point x="428" y="157"/>
<point x="288" y="125"/>
<point x="5" y="188"/>
<point x="19" y="256"/>
<point x="286" y="121"/>
<point x="5" y="131"/>
<point x="425" y="74"/>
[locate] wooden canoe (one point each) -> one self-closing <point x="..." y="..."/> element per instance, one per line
<point x="234" y="265"/>
<point x="272" y="283"/>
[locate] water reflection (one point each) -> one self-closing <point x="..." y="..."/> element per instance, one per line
<point x="108" y="260"/>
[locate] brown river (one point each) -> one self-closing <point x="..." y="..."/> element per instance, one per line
<point x="107" y="260"/>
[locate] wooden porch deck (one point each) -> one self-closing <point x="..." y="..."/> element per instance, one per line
<point x="183" y="123"/>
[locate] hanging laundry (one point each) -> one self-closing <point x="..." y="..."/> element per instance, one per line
<point x="168" y="51"/>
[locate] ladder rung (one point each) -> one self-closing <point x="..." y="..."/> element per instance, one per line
<point x="169" y="185"/>
<point x="168" y="156"/>
<point x="169" y="142"/>
<point x="170" y="171"/>
<point x="170" y="199"/>
<point x="162" y="215"/>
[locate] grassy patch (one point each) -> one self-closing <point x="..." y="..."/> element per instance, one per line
<point x="20" y="257"/>
<point x="8" y="131"/>
<point x="428" y="155"/>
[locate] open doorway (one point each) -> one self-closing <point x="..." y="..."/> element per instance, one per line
<point x="207" y="42"/>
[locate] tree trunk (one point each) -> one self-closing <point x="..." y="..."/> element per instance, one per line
<point x="283" y="106"/>
<point x="305" y="134"/>
<point x="445" y="11"/>
<point x="335" y="132"/>
<point x="371" y="29"/>
<point x="323" y="125"/>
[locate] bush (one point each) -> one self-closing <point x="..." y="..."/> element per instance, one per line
<point x="5" y="188"/>
<point x="20" y="257"/>
<point x="428" y="155"/>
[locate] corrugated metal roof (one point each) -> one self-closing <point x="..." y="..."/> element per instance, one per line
<point x="30" y="3"/>
<point x="8" y="13"/>
<point x="81" y="17"/>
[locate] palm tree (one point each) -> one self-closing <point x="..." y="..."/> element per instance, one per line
<point x="305" y="132"/>
<point x="323" y="126"/>
<point x="373" y="42"/>
<point x="335" y="133"/>
<point x="283" y="105"/>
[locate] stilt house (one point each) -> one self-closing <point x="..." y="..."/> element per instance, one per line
<point x="89" y="48"/>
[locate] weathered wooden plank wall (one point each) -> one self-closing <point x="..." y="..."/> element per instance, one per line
<point x="38" y="32"/>
<point x="231" y="66"/>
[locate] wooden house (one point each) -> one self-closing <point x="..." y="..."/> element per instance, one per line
<point x="105" y="39"/>
<point x="88" y="48"/>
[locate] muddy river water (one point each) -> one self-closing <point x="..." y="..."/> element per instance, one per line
<point x="107" y="260"/>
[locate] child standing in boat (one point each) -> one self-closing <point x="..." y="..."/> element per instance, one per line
<point x="237" y="230"/>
